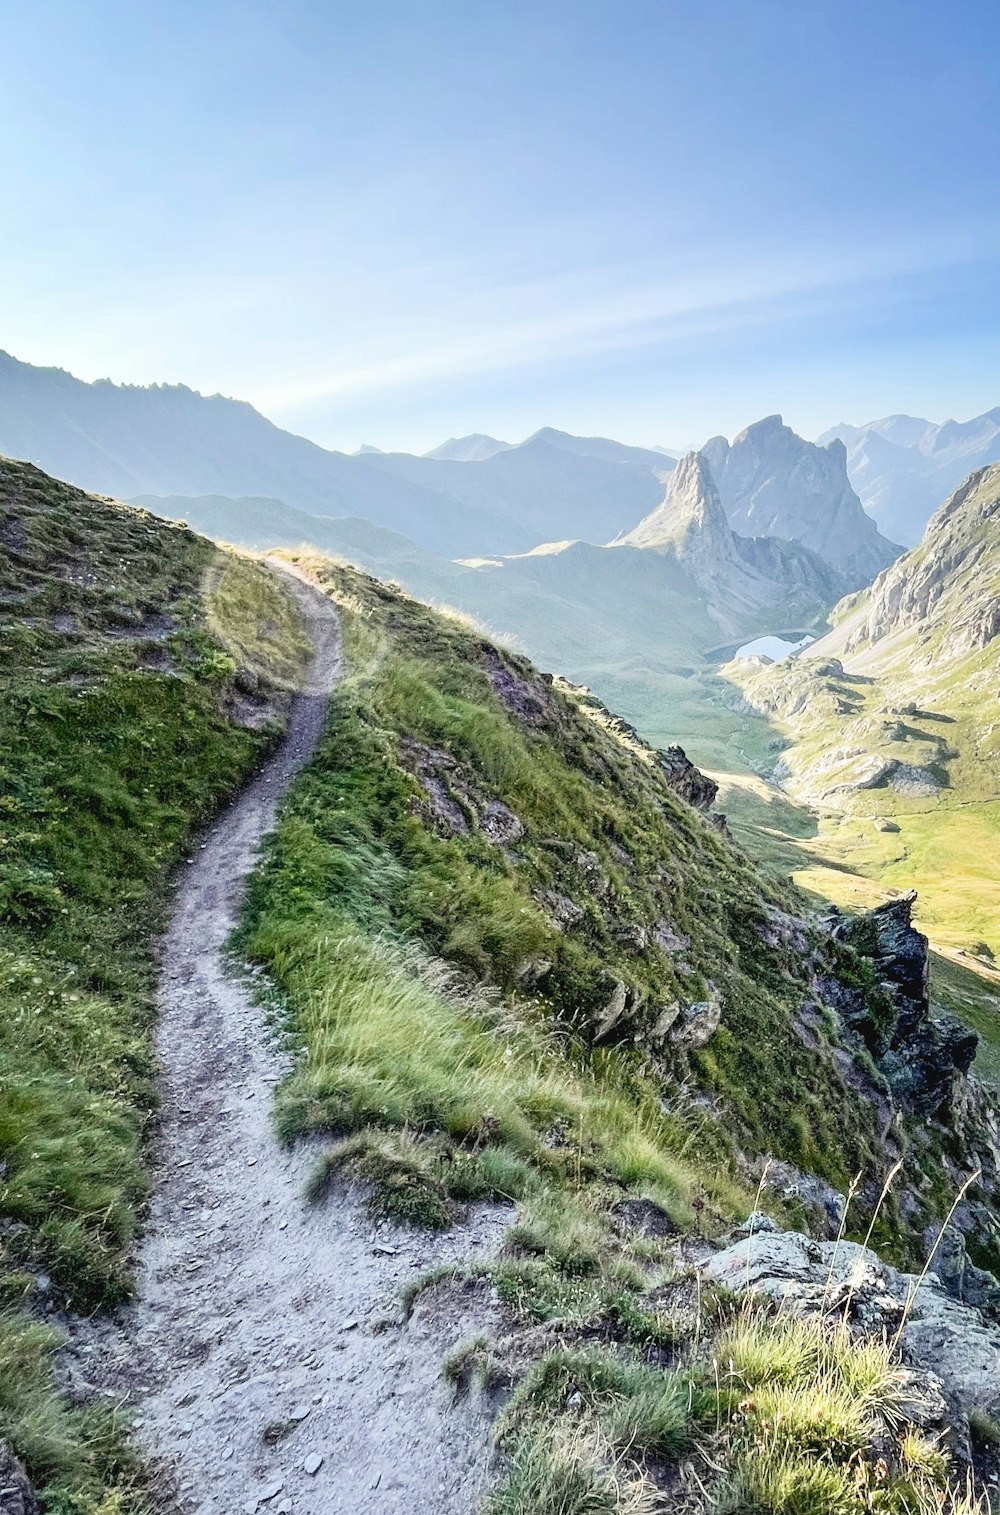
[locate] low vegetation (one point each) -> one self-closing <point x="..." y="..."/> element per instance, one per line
<point x="126" y="717"/>
<point x="760" y="1414"/>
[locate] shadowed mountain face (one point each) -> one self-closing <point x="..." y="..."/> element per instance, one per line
<point x="772" y="483"/>
<point x="736" y="572"/>
<point x="902" y="466"/>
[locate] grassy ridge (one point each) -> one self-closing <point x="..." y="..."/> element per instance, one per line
<point x="125" y="719"/>
<point x="436" y="744"/>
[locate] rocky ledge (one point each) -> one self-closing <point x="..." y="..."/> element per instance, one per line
<point x="923" y="1056"/>
<point x="952" y="1350"/>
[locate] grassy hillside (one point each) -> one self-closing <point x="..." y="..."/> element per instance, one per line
<point x="465" y="806"/>
<point x="131" y="705"/>
<point x="890" y="732"/>
<point x="515" y="963"/>
<point x="497" y="937"/>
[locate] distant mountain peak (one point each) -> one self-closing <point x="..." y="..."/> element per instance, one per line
<point x="475" y="448"/>
<point x="691" y="518"/>
<point x="773" y="483"/>
<point x="902" y="466"/>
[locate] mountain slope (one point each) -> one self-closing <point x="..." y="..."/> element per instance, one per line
<point x="517" y="960"/>
<point x="892" y="720"/>
<point x="260" y="523"/>
<point x="548" y="491"/>
<point x="470" y="824"/>
<point x="772" y="483"/>
<point x="144" y="674"/>
<point x="474" y="448"/>
<point x="902" y="466"/>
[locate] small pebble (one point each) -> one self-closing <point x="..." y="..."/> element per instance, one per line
<point x="313" y="1463"/>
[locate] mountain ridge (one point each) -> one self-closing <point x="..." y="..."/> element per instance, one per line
<point x="903" y="466"/>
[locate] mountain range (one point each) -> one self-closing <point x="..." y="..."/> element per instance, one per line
<point x="124" y="441"/>
<point x="773" y="483"/>
<point x="903" y="466"/>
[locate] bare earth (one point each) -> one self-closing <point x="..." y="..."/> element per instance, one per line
<point x="265" y="1334"/>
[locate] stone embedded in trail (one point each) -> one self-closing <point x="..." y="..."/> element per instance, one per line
<point x="312" y="1463"/>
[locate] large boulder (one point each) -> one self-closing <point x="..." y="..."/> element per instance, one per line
<point x="938" y="1335"/>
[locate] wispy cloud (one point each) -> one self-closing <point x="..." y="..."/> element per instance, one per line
<point x="631" y="307"/>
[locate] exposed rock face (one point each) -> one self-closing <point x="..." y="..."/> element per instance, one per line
<point x="889" y="773"/>
<point x="16" y="1494"/>
<point x="959" y="1275"/>
<point x="946" y="1340"/>
<point x="690" y="518"/>
<point x="691" y="522"/>
<point x="923" y="1058"/>
<point x="690" y="783"/>
<point x="949" y="580"/>
<point x="772" y="483"/>
<point x="452" y="804"/>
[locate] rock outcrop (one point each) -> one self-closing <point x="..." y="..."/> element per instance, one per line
<point x="736" y="571"/>
<point x="773" y="483"/>
<point x="682" y="775"/>
<point x="922" y="1057"/>
<point x="953" y="1348"/>
<point x="948" y="582"/>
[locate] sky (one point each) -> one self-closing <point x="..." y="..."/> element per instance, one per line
<point x="395" y="221"/>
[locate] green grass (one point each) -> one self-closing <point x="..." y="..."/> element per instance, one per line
<point x="828" y="838"/>
<point x="763" y="1414"/>
<point x="368" y="898"/>
<point x="126" y="718"/>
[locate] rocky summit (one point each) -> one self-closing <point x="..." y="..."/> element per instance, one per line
<point x="772" y="483"/>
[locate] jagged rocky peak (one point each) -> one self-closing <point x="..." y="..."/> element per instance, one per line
<point x="690" y="519"/>
<point x="774" y="483"/>
<point x="948" y="582"/>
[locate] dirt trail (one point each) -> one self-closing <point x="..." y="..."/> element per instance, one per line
<point x="257" y="1312"/>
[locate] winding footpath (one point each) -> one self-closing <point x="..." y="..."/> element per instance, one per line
<point x="263" y="1359"/>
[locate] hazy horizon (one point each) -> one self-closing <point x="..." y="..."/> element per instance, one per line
<point x="397" y="224"/>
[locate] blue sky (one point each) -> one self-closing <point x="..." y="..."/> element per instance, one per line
<point x="392" y="222"/>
